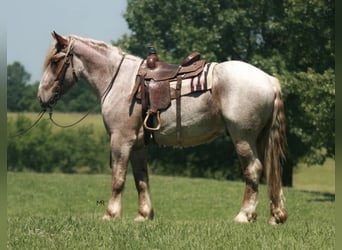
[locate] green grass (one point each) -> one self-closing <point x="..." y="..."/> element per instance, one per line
<point x="315" y="178"/>
<point x="57" y="211"/>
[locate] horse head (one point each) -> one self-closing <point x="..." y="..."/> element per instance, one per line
<point x="59" y="73"/>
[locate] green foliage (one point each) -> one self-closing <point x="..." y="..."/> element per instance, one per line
<point x="28" y="151"/>
<point x="59" y="211"/>
<point x="301" y="32"/>
<point x="80" y="98"/>
<point x="17" y="78"/>
<point x="44" y="150"/>
<point x="310" y="110"/>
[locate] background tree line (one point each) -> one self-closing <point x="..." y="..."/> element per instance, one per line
<point x="291" y="39"/>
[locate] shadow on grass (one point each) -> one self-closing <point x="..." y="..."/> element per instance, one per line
<point x="320" y="196"/>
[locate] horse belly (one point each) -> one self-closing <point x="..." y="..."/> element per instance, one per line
<point x="200" y="122"/>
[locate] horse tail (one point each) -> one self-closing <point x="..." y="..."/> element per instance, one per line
<point x="274" y="154"/>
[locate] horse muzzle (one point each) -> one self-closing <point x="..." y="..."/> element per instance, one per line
<point x="50" y="103"/>
<point x="49" y="99"/>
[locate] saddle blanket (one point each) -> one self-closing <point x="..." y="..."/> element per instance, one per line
<point x="202" y="82"/>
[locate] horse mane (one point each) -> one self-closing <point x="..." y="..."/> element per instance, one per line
<point x="96" y="44"/>
<point x="51" y="52"/>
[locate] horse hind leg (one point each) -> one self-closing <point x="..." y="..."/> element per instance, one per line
<point x="252" y="169"/>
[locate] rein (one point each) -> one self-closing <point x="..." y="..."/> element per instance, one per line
<point x="40" y="115"/>
<point x="103" y="98"/>
<point x="70" y="125"/>
<point x="60" y="79"/>
<point x="24" y="131"/>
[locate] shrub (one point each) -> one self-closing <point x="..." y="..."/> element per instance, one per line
<point x="45" y="150"/>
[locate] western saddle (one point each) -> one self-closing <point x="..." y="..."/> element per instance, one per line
<point x="153" y="82"/>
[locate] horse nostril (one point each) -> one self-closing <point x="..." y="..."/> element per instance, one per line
<point x="43" y="105"/>
<point x="52" y="102"/>
<point x="40" y="100"/>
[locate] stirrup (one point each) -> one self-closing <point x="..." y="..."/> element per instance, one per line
<point x="149" y="113"/>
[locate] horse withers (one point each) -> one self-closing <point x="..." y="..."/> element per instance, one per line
<point x="243" y="100"/>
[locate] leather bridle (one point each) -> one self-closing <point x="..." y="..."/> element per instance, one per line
<point x="59" y="81"/>
<point x="61" y="72"/>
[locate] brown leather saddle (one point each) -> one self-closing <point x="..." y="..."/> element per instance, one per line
<point x="152" y="87"/>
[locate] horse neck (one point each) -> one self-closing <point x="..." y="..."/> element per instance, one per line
<point x="101" y="63"/>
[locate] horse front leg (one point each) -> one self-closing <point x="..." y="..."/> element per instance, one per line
<point x="119" y="159"/>
<point x="139" y="163"/>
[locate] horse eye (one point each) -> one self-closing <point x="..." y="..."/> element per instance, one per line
<point x="56" y="58"/>
<point x="54" y="62"/>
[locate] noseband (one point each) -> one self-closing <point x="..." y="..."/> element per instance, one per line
<point x="61" y="72"/>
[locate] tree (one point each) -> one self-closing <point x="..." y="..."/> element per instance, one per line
<point x="291" y="39"/>
<point x="302" y="33"/>
<point x="17" y="80"/>
<point x="310" y="118"/>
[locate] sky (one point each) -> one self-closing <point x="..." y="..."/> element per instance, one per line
<point x="30" y="23"/>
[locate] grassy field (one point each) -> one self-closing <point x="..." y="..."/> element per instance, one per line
<point x="315" y="178"/>
<point x="57" y="211"/>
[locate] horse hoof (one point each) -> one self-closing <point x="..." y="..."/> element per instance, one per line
<point x="108" y="216"/>
<point x="279" y="216"/>
<point x="274" y="221"/>
<point x="140" y="218"/>
<point x="243" y="218"/>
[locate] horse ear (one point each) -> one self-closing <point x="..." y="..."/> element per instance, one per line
<point x="60" y="39"/>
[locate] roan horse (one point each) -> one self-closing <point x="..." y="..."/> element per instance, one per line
<point x="244" y="101"/>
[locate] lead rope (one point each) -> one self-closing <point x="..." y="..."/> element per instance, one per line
<point x="40" y="115"/>
<point x="103" y="98"/>
<point x="24" y="131"/>
<point x="82" y="118"/>
<point x="70" y="125"/>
